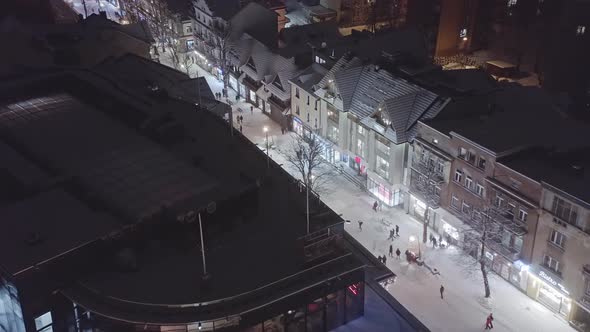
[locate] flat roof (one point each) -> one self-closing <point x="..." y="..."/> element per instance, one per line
<point x="53" y="217"/>
<point x="126" y="170"/>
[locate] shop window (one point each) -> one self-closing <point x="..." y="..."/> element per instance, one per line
<point x="190" y="44"/>
<point x="335" y="309"/>
<point x="44" y="323"/>
<point x="551" y="263"/>
<point x="557" y="238"/>
<point x="458" y="176"/>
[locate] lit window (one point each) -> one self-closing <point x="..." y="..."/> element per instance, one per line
<point x="557" y="238"/>
<point x="319" y="60"/>
<point x="463" y="33"/>
<point x="512" y="3"/>
<point x="361" y="130"/>
<point x="581" y="30"/>
<point x="44" y="323"/>
<point x="462" y="153"/>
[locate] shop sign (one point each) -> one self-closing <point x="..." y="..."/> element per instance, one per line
<point x="552" y="281"/>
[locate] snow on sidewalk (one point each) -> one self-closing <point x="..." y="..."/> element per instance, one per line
<point x="463" y="308"/>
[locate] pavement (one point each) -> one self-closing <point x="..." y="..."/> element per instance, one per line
<point x="464" y="308"/>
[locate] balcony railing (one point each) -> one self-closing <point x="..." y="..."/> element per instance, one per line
<point x="427" y="170"/>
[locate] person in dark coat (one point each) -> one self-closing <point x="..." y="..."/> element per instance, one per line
<point x="390" y="250"/>
<point x="398" y="252"/>
<point x="433" y="242"/>
<point x="396" y="230"/>
<point x="384" y="259"/>
<point x="360" y="225"/>
<point x="489" y="322"/>
<point x="375" y="205"/>
<point x="240" y="128"/>
<point x="442" y="290"/>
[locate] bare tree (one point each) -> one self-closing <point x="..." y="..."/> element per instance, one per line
<point x="186" y="62"/>
<point x="305" y="156"/>
<point x="223" y="46"/>
<point x="174" y="54"/>
<point x="132" y="10"/>
<point x="485" y="230"/>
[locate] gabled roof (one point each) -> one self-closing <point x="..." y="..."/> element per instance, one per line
<point x="366" y="88"/>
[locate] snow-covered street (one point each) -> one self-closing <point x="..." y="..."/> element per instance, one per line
<point x="464" y="307"/>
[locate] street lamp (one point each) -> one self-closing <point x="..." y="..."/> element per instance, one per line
<point x="265" y="129"/>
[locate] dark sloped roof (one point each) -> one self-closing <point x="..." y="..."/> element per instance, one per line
<point x="566" y="170"/>
<point x="225" y="9"/>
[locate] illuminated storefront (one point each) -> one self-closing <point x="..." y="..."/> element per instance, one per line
<point x="547" y="288"/>
<point x="383" y="191"/>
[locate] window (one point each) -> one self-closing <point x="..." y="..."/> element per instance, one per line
<point x="468" y="182"/>
<point x="458" y="176"/>
<point x="510" y="211"/>
<point x="440" y="167"/>
<point x="580" y="30"/>
<point x="297" y="110"/>
<point x="307" y="100"/>
<point x="471" y="157"/>
<point x="319" y="60"/>
<point x="463" y="33"/>
<point x="454" y="202"/>
<point x="565" y="210"/>
<point x="190" y="44"/>
<point x="479" y="189"/>
<point x="499" y="201"/>
<point x="297" y="92"/>
<point x="522" y="215"/>
<point x="360" y="145"/>
<point x="465" y="208"/>
<point x="557" y="238"/>
<point x="383" y="167"/>
<point x="481" y="163"/>
<point x="361" y="130"/>
<point x="308" y="117"/>
<point x="44" y="323"/>
<point x="189" y="29"/>
<point x="511" y="3"/>
<point x="462" y="153"/>
<point x="551" y="263"/>
<point x="587" y="288"/>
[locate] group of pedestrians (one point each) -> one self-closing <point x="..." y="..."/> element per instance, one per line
<point x="393" y="233"/>
<point x="240" y="120"/>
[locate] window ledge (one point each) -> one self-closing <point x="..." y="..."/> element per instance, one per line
<point x="555" y="245"/>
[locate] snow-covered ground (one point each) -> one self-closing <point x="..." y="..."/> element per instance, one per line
<point x="464" y="307"/>
<point x="111" y="7"/>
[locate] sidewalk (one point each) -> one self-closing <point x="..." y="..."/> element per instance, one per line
<point x="464" y="308"/>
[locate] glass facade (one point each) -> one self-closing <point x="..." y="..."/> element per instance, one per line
<point x="384" y="193"/>
<point x="11" y="316"/>
<point x="320" y="315"/>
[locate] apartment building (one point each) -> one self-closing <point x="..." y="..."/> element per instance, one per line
<point x="365" y="115"/>
<point x="559" y="276"/>
<point x="464" y="174"/>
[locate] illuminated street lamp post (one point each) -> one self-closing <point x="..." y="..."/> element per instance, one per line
<point x="265" y="129"/>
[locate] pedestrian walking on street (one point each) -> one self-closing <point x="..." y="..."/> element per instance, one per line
<point x="398" y="252"/>
<point x="390" y="250"/>
<point x="282" y="130"/>
<point x="442" y="290"/>
<point x="241" y="119"/>
<point x="240" y="128"/>
<point x="360" y="225"/>
<point x="375" y="206"/>
<point x="489" y="322"/>
<point x="251" y="109"/>
<point x="396" y="230"/>
<point x="384" y="259"/>
<point x="433" y="242"/>
<point x="237" y="97"/>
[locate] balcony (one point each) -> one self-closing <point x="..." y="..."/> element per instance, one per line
<point x="427" y="170"/>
